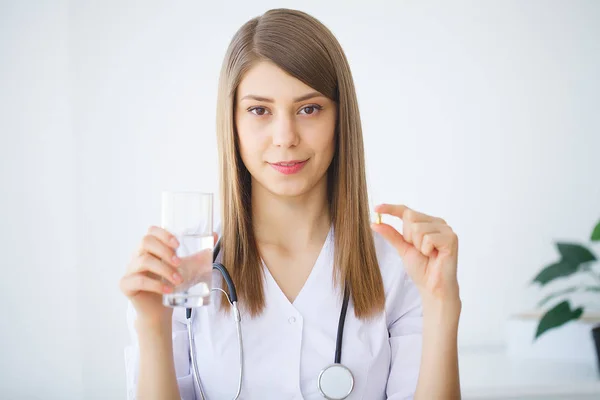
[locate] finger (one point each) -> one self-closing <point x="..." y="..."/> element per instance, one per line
<point x="392" y="236"/>
<point x="403" y="212"/>
<point x="396" y="210"/>
<point x="134" y="283"/>
<point x="444" y="241"/>
<point x="164" y="236"/>
<point x="149" y="263"/>
<point x="417" y="230"/>
<point x="153" y="245"/>
<point x="427" y="246"/>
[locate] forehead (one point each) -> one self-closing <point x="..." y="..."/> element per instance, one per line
<point x="268" y="80"/>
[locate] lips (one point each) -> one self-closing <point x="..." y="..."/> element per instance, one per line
<point x="289" y="167"/>
<point x="289" y="163"/>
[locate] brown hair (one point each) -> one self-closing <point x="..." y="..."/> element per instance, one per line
<point x="303" y="47"/>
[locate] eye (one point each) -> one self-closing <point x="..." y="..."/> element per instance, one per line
<point x="309" y="110"/>
<point x="260" y="111"/>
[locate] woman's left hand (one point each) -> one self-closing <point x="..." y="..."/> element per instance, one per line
<point x="429" y="249"/>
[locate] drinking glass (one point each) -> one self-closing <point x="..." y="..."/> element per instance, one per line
<point x="189" y="217"/>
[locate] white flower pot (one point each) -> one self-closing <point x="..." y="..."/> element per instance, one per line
<point x="570" y="342"/>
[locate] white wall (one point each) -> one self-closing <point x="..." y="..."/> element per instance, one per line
<point x="483" y="114"/>
<point x="40" y="354"/>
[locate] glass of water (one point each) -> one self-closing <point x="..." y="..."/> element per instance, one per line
<point x="189" y="216"/>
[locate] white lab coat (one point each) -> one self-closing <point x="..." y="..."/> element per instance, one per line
<point x="290" y="343"/>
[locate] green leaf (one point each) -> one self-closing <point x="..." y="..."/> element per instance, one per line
<point x="596" y="233"/>
<point x="557" y="316"/>
<point x="556" y="270"/>
<point x="575" y="253"/>
<point x="557" y="294"/>
<point x="567" y="291"/>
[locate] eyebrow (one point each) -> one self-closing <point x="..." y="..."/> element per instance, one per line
<point x="296" y="100"/>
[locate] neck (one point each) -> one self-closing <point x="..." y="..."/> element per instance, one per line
<point x="290" y="222"/>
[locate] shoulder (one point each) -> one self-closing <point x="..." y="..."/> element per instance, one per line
<point x="401" y="295"/>
<point x="390" y="264"/>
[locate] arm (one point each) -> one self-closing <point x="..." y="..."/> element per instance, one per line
<point x="438" y="374"/>
<point x="157" y="379"/>
<point x="157" y="362"/>
<point x="423" y="343"/>
<point x="429" y="251"/>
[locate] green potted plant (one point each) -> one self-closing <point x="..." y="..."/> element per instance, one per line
<point x="575" y="259"/>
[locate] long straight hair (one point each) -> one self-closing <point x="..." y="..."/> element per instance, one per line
<point x="303" y="47"/>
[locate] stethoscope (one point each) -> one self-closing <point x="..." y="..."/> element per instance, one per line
<point x="335" y="381"/>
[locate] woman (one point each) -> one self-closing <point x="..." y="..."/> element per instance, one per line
<point x="295" y="232"/>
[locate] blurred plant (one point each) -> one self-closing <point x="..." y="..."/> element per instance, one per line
<point x="574" y="259"/>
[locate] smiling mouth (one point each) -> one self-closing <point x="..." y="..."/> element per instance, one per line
<point x="288" y="163"/>
<point x="289" y="167"/>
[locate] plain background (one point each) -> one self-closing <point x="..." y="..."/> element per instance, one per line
<point x="483" y="113"/>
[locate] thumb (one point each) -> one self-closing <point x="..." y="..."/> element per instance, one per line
<point x="216" y="236"/>
<point x="393" y="236"/>
<point x="403" y="248"/>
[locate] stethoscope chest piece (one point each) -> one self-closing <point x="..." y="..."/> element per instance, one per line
<point x="335" y="382"/>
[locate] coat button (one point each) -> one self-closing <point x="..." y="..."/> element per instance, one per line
<point x="291" y="320"/>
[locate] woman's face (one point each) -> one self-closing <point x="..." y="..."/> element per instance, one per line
<point x="286" y="130"/>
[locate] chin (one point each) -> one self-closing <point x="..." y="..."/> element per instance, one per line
<point x="285" y="186"/>
<point x="287" y="189"/>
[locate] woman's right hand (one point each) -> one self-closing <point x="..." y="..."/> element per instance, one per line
<point x="143" y="282"/>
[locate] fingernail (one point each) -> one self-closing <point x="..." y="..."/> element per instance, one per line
<point x="175" y="260"/>
<point x="166" y="289"/>
<point x="174" y="242"/>
<point x="177" y="278"/>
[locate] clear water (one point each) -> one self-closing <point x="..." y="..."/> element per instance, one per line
<point x="200" y="297"/>
<point x="195" y="252"/>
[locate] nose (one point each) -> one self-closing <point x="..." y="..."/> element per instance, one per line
<point x="284" y="132"/>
